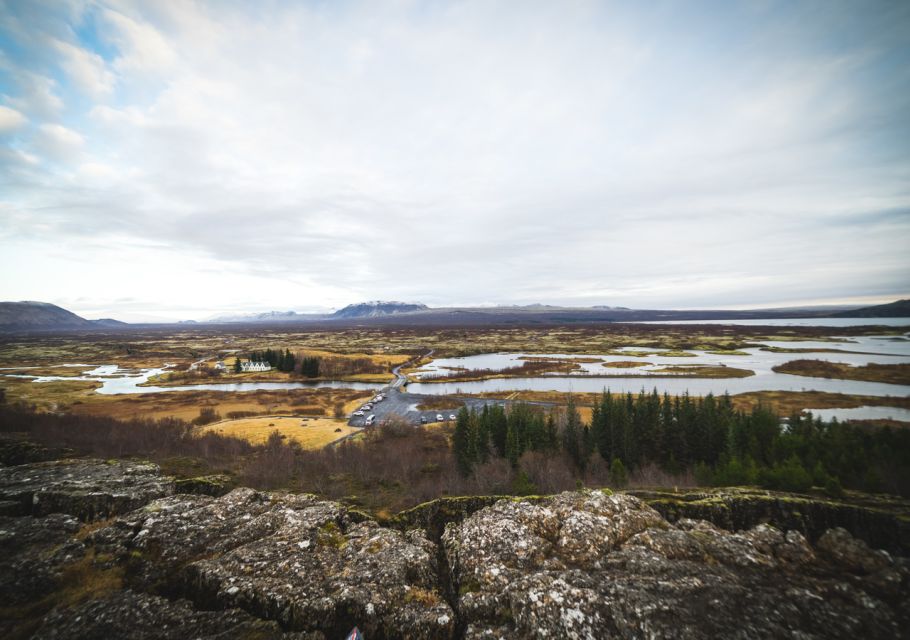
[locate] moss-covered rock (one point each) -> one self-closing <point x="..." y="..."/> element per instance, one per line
<point x="213" y="485"/>
<point x="881" y="526"/>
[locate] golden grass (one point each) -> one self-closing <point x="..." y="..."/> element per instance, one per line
<point x="872" y="372"/>
<point x="707" y="371"/>
<point x="185" y="405"/>
<point x="787" y="402"/>
<point x="311" y="433"/>
<point x="626" y="364"/>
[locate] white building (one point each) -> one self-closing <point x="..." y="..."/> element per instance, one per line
<point x="255" y="366"/>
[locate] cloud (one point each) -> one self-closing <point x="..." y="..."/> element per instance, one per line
<point x="86" y="69"/>
<point x="590" y="153"/>
<point x="142" y="48"/>
<point x="57" y="143"/>
<point x="10" y="119"/>
<point x="36" y="95"/>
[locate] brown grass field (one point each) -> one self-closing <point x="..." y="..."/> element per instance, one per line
<point x="310" y="433"/>
<point x="890" y="373"/>
<point x="143" y="348"/>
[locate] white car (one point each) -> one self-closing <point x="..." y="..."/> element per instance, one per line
<point x="358" y="413"/>
<point x="439" y="417"/>
<point x="370" y="419"/>
<point x="367" y="407"/>
<point x="452" y="416"/>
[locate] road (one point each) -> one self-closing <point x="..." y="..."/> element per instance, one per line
<point x="398" y="403"/>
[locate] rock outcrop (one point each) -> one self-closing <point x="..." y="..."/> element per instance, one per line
<point x="588" y="565"/>
<point x="584" y="564"/>
<point x="87" y="489"/>
<point x="881" y="522"/>
<point x="309" y="564"/>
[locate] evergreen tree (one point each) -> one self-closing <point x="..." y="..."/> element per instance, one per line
<point x="461" y="442"/>
<point x="618" y="475"/>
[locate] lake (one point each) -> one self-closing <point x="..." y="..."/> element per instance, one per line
<point x="116" y="381"/>
<point x="797" y="322"/>
<point x="876" y="349"/>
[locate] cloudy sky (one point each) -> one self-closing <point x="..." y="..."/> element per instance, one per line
<point x="177" y="159"/>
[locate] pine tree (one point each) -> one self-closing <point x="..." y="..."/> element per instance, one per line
<point x="513" y="448"/>
<point x="461" y="443"/>
<point x="618" y="475"/>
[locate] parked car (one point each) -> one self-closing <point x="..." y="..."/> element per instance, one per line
<point x="367" y="407"/>
<point x="370" y="420"/>
<point x="423" y="419"/>
<point x="439" y="417"/>
<point x="358" y="413"/>
<point x="452" y="416"/>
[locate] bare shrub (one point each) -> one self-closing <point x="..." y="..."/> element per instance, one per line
<point x="651" y="475"/>
<point x="207" y="415"/>
<point x="234" y="415"/>
<point x="272" y="466"/>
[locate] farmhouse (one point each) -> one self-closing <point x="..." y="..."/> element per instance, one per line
<point x="255" y="366"/>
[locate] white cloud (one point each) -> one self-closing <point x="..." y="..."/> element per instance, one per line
<point x="586" y="153"/>
<point x="35" y="95"/>
<point x="10" y="119"/>
<point x="141" y="46"/>
<point x="85" y="68"/>
<point x="58" y="143"/>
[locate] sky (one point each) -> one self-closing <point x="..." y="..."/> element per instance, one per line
<point x="180" y="160"/>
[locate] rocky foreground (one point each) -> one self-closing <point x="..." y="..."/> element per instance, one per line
<point x="94" y="549"/>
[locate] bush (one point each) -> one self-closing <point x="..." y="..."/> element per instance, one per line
<point x="789" y="476"/>
<point x="704" y="476"/>
<point x="207" y="415"/>
<point x="522" y="485"/>
<point x="833" y="488"/>
<point x="735" y="472"/>
<point x="618" y="475"/>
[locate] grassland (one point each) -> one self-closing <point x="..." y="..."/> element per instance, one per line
<point x="80" y="397"/>
<point x="890" y="373"/>
<point x="148" y="348"/>
<point x="385" y="346"/>
<point x="702" y="371"/>
<point x="626" y="364"/>
<point x="309" y="433"/>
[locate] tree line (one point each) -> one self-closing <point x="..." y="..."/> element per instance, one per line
<point x="708" y="435"/>
<point x="284" y="361"/>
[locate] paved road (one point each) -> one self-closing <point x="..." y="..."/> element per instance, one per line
<point x="404" y="405"/>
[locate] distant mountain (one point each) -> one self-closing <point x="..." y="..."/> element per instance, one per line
<point x="109" y="323"/>
<point x="898" y="309"/>
<point x="377" y="309"/>
<point x="267" y="316"/>
<point x="38" y="315"/>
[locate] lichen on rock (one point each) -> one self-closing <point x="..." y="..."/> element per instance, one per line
<point x="579" y="566"/>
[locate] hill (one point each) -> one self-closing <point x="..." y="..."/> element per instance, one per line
<point x="898" y="309"/>
<point x="39" y="315"/>
<point x="377" y="309"/>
